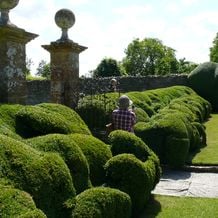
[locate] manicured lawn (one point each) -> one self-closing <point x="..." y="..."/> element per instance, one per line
<point x="209" y="154"/>
<point x="180" y="207"/>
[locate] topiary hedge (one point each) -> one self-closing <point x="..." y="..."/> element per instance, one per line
<point x="204" y="80"/>
<point x="132" y="176"/>
<point x="7" y="120"/>
<point x="44" y="176"/>
<point x="71" y="154"/>
<point x="77" y="125"/>
<point x="97" y="154"/>
<point x="17" y="203"/>
<point x="157" y="135"/>
<point x="126" y="142"/>
<point x="32" y="121"/>
<point x="102" y="202"/>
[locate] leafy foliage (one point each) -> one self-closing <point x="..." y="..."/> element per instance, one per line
<point x="204" y="80"/>
<point x="44" y="176"/>
<point x="107" y="67"/>
<point x="149" y="57"/>
<point x="102" y="203"/>
<point x="71" y="154"/>
<point x="185" y="67"/>
<point x="97" y="154"/>
<point x="125" y="142"/>
<point x="48" y="118"/>
<point x="214" y="50"/>
<point x="17" y="203"/>
<point x="132" y="176"/>
<point x="44" y="69"/>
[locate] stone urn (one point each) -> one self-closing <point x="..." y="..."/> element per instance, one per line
<point x="64" y="19"/>
<point x="5" y="7"/>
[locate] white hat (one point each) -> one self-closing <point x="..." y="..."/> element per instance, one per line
<point x="124" y="102"/>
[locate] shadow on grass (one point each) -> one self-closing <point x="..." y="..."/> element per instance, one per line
<point x="192" y="155"/>
<point x="151" y="210"/>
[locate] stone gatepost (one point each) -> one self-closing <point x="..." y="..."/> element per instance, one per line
<point x="12" y="57"/>
<point x="64" y="54"/>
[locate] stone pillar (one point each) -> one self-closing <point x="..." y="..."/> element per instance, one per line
<point x="64" y="54"/>
<point x="12" y="57"/>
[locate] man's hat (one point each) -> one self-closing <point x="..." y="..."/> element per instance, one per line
<point x="124" y="102"/>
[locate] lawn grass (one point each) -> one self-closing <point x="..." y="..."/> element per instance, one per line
<point x="180" y="207"/>
<point x="209" y="154"/>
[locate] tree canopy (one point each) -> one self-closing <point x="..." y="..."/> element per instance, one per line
<point x="214" y="50"/>
<point x="43" y="69"/>
<point x="107" y="67"/>
<point x="149" y="57"/>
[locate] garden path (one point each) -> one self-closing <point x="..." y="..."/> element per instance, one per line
<point x="184" y="183"/>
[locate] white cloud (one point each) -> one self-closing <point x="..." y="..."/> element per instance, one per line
<point x="180" y="25"/>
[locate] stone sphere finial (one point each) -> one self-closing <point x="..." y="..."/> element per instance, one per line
<point x="64" y="19"/>
<point x="5" y="7"/>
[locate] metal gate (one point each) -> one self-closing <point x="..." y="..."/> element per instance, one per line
<point x="96" y="108"/>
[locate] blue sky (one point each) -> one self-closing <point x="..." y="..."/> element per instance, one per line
<point x="107" y="27"/>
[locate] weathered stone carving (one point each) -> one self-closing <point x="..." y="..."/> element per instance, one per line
<point x="5" y="7"/>
<point x="64" y="55"/>
<point x="64" y="19"/>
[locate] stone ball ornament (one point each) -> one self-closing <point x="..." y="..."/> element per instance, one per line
<point x="5" y="7"/>
<point x="8" y="4"/>
<point x="64" y="19"/>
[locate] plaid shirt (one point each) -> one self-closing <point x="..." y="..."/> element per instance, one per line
<point x="123" y="119"/>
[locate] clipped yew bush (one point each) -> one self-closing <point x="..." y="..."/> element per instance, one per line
<point x="71" y="154"/>
<point x="102" y="202"/>
<point x="32" y="121"/>
<point x="132" y="176"/>
<point x="76" y="123"/>
<point x="156" y="134"/>
<point x="17" y="203"/>
<point x="44" y="176"/>
<point x="126" y="142"/>
<point x="7" y="120"/>
<point x="204" y="80"/>
<point x="97" y="154"/>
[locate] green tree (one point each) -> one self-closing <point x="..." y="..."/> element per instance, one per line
<point x="214" y="50"/>
<point x="185" y="67"/>
<point x="44" y="69"/>
<point x="149" y="57"/>
<point x="107" y="67"/>
<point x="29" y="63"/>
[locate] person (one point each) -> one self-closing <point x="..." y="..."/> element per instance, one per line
<point x="124" y="118"/>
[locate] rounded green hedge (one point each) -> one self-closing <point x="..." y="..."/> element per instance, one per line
<point x="77" y="125"/>
<point x="7" y="120"/>
<point x="102" y="202"/>
<point x="44" y="176"/>
<point x="156" y="135"/>
<point x="204" y="80"/>
<point x="32" y="121"/>
<point x="124" y="142"/>
<point x="71" y="154"/>
<point x="97" y="154"/>
<point x="17" y="203"/>
<point x="132" y="176"/>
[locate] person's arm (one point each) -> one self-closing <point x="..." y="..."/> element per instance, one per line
<point x="133" y="119"/>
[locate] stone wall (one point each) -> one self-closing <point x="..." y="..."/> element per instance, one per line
<point x="39" y="91"/>
<point x="126" y="84"/>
